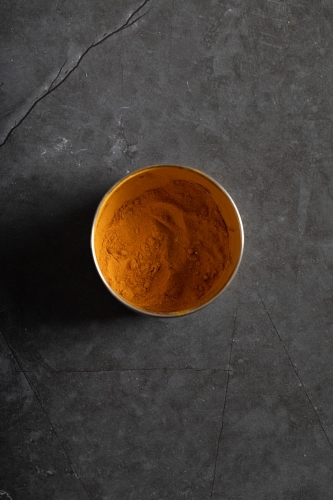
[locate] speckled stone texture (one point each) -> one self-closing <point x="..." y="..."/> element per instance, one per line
<point x="234" y="402"/>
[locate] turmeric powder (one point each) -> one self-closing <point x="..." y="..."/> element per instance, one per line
<point x="163" y="251"/>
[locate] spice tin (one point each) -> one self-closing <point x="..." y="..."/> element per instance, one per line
<point x="152" y="178"/>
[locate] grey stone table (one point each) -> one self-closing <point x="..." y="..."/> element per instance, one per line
<point x="236" y="401"/>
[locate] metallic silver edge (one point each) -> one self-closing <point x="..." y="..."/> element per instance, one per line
<point x="175" y="314"/>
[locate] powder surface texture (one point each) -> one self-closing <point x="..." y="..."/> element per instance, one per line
<point x="164" y="250"/>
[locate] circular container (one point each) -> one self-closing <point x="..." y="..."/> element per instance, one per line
<point x="157" y="176"/>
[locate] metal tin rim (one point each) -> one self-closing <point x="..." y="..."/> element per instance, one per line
<point x="172" y="314"/>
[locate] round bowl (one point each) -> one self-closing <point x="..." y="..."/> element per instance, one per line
<point x="138" y="186"/>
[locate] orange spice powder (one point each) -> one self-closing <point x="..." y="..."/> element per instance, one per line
<point x="164" y="250"/>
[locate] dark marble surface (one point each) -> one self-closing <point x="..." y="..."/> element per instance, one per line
<point x="234" y="402"/>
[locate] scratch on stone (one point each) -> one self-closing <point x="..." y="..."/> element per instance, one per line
<point x="224" y="404"/>
<point x="270" y="45"/>
<point x="130" y="21"/>
<point x="295" y="371"/>
<point x="47" y="417"/>
<point x="269" y="35"/>
<point x="78" y="151"/>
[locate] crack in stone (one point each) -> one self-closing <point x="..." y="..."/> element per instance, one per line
<point x="224" y="405"/>
<point x="130" y="21"/>
<point x="55" y="79"/>
<point x="296" y="373"/>
<point x="113" y="370"/>
<point x="47" y="417"/>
